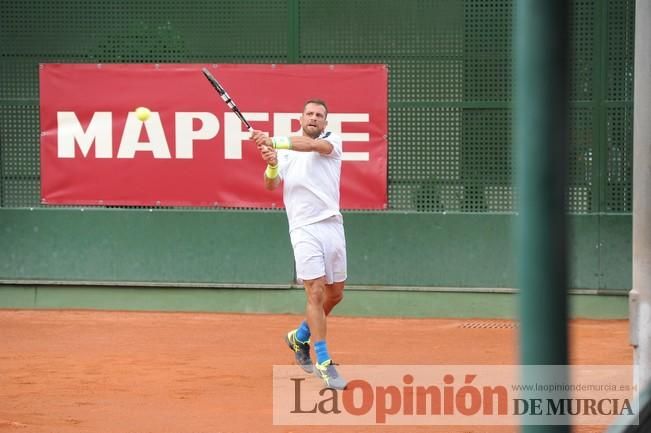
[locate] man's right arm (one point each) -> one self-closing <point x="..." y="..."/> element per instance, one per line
<point x="271" y="175"/>
<point x="271" y="183"/>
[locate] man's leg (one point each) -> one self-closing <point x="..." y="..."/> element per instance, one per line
<point x="313" y="328"/>
<point x="320" y="299"/>
<point x="315" y="292"/>
<point x="334" y="295"/>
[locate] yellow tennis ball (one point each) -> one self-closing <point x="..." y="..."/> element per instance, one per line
<point x="142" y="113"/>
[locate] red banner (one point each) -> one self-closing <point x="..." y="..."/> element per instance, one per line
<point x="193" y="150"/>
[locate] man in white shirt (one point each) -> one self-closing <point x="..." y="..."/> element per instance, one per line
<point x="309" y="167"/>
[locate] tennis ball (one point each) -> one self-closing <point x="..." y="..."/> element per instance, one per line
<point x="142" y="113"/>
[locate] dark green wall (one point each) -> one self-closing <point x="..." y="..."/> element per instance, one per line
<point x="250" y="248"/>
<point x="142" y="246"/>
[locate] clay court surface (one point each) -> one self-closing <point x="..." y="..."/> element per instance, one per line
<point x="140" y="372"/>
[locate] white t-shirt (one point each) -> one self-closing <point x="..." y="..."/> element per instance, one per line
<point x="311" y="183"/>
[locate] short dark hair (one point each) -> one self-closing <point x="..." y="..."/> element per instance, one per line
<point x="318" y="102"/>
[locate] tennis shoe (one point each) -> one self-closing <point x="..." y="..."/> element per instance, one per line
<point x="301" y="351"/>
<point x="328" y="373"/>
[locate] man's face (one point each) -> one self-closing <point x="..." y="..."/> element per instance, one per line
<point x="313" y="120"/>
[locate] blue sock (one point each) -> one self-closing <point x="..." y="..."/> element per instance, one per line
<point x="321" y="350"/>
<point x="303" y="332"/>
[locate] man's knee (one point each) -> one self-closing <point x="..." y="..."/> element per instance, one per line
<point x="315" y="291"/>
<point x="336" y="297"/>
<point x="335" y="293"/>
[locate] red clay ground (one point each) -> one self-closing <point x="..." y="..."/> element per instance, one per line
<point x="127" y="372"/>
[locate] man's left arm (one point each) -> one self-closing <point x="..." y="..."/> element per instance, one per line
<point x="307" y="144"/>
<point x="298" y="143"/>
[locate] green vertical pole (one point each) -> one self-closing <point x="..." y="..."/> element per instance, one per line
<point x="541" y="139"/>
<point x="293" y="47"/>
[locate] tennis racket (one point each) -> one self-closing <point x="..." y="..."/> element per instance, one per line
<point x="227" y="99"/>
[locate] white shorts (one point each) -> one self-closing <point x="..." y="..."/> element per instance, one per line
<point x="320" y="250"/>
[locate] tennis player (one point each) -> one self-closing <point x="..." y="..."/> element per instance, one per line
<point x="309" y="167"/>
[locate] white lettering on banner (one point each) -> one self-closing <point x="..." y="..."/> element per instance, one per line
<point x="185" y="135"/>
<point x="334" y="124"/>
<point x="233" y="134"/>
<point x="99" y="131"/>
<point x="70" y="131"/>
<point x="157" y="143"/>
